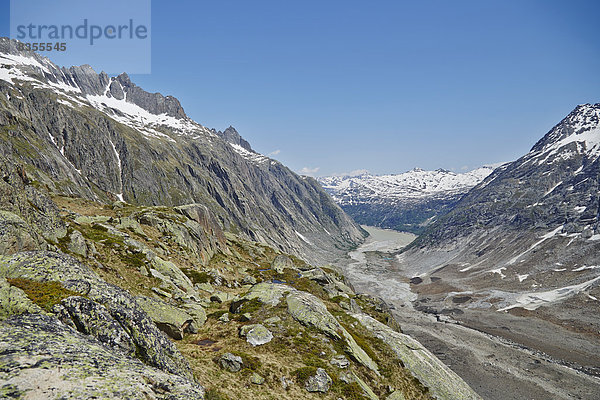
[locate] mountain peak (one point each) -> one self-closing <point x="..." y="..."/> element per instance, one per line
<point x="581" y="126"/>
<point x="232" y="136"/>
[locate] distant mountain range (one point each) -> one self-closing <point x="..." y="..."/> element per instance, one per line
<point x="407" y="202"/>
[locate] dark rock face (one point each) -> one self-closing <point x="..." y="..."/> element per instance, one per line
<point x="232" y="136"/>
<point x="87" y="142"/>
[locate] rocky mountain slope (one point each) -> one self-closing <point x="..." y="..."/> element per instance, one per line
<point x="120" y="301"/>
<point x="405" y="202"/>
<point x="518" y="255"/>
<point x="103" y="138"/>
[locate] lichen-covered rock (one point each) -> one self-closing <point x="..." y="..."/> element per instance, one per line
<point x="281" y="262"/>
<point x="198" y="314"/>
<point x="169" y="273"/>
<point x="397" y="395"/>
<point x="152" y="346"/>
<point x="268" y="293"/>
<point x="320" y="382"/>
<point x="13" y="301"/>
<point x="442" y="382"/>
<point x="231" y="363"/>
<point x="256" y="334"/>
<point x="221" y="297"/>
<point x="16" y="235"/>
<point x="367" y="391"/>
<point x="256" y="379"/>
<point x="317" y="275"/>
<point x="169" y="319"/>
<point x="310" y="311"/>
<point x="131" y="224"/>
<point x="43" y="358"/>
<point x="94" y="319"/>
<point x="77" y="244"/>
<point x="340" y="361"/>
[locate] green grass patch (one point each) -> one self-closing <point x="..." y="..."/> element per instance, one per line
<point x="197" y="276"/>
<point x="44" y="294"/>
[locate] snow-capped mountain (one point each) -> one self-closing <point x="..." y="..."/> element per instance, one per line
<point x="86" y="134"/>
<point x="407" y="201"/>
<point x="525" y="241"/>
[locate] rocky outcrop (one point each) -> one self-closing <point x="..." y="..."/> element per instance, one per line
<point x="169" y="319"/>
<point x="112" y="307"/>
<point x="231" y="363"/>
<point x="232" y="136"/>
<point x="320" y="382"/>
<point x="16" y="235"/>
<point x="28" y="216"/>
<point x="310" y="311"/>
<point x="43" y="358"/>
<point x="281" y="262"/>
<point x="441" y="380"/>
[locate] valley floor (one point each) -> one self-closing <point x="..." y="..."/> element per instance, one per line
<point x="493" y="352"/>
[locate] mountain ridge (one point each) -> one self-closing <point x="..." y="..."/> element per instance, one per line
<point x="86" y="134"/>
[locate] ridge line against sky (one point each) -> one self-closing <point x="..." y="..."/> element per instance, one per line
<point x="327" y="87"/>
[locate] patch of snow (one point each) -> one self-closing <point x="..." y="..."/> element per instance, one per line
<point x="302" y="237"/>
<point x="249" y="155"/>
<point x="522" y="277"/>
<point x="552" y="189"/>
<point x="120" y="194"/>
<point x="533" y="246"/>
<point x="499" y="272"/>
<point x="532" y="301"/>
<point x="582" y="268"/>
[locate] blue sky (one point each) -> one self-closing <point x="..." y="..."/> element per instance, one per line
<point x="384" y="86"/>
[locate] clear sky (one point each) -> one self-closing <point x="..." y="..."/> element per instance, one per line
<point x="335" y="86"/>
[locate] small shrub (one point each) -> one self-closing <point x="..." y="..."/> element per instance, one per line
<point x="217" y="314"/>
<point x="302" y="374"/>
<point x="352" y="391"/>
<point x="197" y="276"/>
<point x="250" y="362"/>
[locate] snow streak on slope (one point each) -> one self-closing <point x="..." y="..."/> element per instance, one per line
<point x="256" y="158"/>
